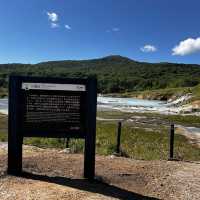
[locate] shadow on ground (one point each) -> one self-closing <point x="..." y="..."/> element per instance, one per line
<point x="89" y="186"/>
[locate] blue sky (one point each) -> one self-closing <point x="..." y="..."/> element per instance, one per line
<point x="145" y="30"/>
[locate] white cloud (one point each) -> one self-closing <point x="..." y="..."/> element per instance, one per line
<point x="53" y="17"/>
<point x="54" y="25"/>
<point x="187" y="47"/>
<point x="148" y="48"/>
<point x="115" y="29"/>
<point x="68" y="27"/>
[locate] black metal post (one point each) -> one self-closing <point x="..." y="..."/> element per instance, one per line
<point x="67" y="142"/>
<point x="90" y="137"/>
<point x="118" y="137"/>
<point x="15" y="138"/>
<point x="171" y="142"/>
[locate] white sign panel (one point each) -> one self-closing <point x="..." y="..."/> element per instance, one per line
<point x="51" y="86"/>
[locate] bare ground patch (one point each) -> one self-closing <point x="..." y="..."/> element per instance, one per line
<point x="52" y="174"/>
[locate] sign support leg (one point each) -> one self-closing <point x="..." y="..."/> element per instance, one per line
<point x="89" y="160"/>
<point x="15" y="139"/>
<point x="90" y="137"/>
<point x="14" y="154"/>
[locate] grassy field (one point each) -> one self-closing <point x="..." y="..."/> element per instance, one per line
<point x="137" y="143"/>
<point x="142" y="144"/>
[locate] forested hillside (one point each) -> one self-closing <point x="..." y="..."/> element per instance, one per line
<point x="114" y="73"/>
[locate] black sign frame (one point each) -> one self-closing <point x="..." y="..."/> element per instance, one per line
<point x="16" y="120"/>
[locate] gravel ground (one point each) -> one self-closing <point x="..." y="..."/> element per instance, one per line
<point x="52" y="174"/>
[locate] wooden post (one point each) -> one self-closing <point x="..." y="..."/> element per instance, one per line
<point x="171" y="142"/>
<point x="118" y="137"/>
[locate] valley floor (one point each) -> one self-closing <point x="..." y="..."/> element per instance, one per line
<point x="52" y="174"/>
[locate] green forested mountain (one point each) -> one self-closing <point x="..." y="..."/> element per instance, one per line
<point x="114" y="73"/>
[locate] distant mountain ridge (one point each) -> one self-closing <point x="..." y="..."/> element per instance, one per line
<point x="106" y="58"/>
<point x="115" y="73"/>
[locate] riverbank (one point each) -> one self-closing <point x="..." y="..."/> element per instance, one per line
<point x="183" y="100"/>
<point x="160" y="94"/>
<point x="132" y="105"/>
<point x="173" y="101"/>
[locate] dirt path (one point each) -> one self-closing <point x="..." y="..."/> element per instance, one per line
<point x="53" y="174"/>
<point x="192" y="133"/>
